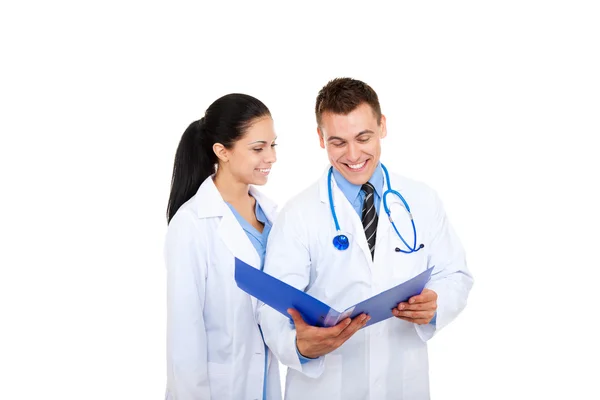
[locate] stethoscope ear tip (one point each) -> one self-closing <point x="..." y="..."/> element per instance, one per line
<point x="397" y="249"/>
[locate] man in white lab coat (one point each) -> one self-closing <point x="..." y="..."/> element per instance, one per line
<point x="387" y="360"/>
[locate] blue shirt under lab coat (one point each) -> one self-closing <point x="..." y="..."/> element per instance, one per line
<point x="259" y="241"/>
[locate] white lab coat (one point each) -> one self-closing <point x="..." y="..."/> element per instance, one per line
<point x="214" y="345"/>
<point x="387" y="360"/>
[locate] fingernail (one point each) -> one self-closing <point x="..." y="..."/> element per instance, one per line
<point x="411" y="301"/>
<point x="401" y="306"/>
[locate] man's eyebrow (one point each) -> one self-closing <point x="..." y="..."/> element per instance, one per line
<point x="365" y="132"/>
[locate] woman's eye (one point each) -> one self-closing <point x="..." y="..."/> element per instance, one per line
<point x="258" y="149"/>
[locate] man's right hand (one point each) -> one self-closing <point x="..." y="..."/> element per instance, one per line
<point x="313" y="342"/>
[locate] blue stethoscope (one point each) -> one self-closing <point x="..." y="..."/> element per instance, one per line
<point x="341" y="241"/>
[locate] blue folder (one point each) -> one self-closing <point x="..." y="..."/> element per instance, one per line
<point x="281" y="296"/>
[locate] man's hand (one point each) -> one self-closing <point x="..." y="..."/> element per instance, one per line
<point x="419" y="309"/>
<point x="313" y="342"/>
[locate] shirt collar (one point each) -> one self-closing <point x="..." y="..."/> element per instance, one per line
<point x="260" y="214"/>
<point x="351" y="191"/>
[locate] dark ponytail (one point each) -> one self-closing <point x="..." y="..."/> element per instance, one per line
<point x="225" y="122"/>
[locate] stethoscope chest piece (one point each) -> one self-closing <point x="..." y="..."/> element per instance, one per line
<point x="341" y="242"/>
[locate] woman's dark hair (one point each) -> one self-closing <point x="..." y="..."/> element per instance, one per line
<point x="225" y="121"/>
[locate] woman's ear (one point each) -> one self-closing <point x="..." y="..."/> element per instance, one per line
<point x="221" y="152"/>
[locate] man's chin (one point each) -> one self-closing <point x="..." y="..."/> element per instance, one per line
<point x="356" y="178"/>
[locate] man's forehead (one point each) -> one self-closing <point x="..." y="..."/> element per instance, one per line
<point x="348" y="126"/>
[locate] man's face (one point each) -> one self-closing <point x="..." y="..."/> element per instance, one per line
<point x="353" y="142"/>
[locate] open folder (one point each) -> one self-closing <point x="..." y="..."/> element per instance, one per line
<point x="281" y="296"/>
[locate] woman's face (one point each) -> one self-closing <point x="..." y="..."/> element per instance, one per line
<point x="251" y="157"/>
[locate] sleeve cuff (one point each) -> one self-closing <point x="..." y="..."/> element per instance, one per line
<point x="432" y="322"/>
<point x="303" y="360"/>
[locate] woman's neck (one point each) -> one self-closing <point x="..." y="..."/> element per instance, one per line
<point x="231" y="190"/>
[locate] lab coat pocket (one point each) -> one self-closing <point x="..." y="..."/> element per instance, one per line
<point x="332" y="377"/>
<point x="327" y="387"/>
<point x="415" y="379"/>
<point x="406" y="266"/>
<point x="219" y="377"/>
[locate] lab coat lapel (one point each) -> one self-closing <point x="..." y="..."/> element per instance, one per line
<point x="232" y="234"/>
<point x="269" y="207"/>
<point x="236" y="240"/>
<point x="229" y="230"/>
<point x="347" y="217"/>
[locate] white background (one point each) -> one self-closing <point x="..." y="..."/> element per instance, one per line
<point x="494" y="104"/>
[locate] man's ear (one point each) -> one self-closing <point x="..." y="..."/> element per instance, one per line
<point x="383" y="127"/>
<point x="321" y="139"/>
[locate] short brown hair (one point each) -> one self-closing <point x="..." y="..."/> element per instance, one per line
<point x="344" y="95"/>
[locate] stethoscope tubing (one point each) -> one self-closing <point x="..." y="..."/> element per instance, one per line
<point x="341" y="242"/>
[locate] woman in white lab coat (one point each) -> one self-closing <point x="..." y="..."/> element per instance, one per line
<point x="215" y="348"/>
